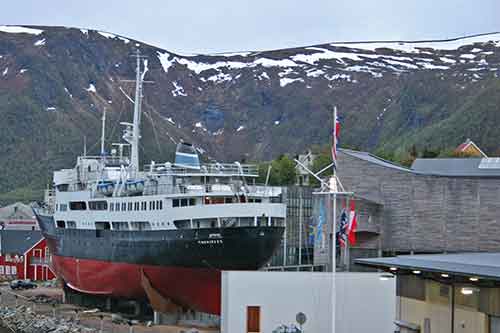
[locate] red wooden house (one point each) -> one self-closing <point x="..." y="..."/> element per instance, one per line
<point x="24" y="255"/>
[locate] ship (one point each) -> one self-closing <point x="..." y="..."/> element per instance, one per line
<point x="110" y="225"/>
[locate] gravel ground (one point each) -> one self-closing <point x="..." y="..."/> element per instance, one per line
<point x="40" y="310"/>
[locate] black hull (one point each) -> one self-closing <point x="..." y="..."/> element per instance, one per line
<point x="242" y="248"/>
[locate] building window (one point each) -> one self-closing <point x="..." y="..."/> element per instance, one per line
<point x="2" y="271"/>
<point x="7" y="270"/>
<point x="78" y="205"/>
<point x="37" y="253"/>
<point x="13" y="270"/>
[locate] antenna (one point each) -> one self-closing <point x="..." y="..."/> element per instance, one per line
<point x="103" y="137"/>
<point x="84" y="145"/>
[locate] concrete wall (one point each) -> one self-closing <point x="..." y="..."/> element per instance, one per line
<point x="363" y="302"/>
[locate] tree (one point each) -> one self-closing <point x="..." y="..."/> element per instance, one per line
<point x="283" y="171"/>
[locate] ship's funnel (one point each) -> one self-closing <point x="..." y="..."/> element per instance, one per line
<point x="186" y="156"/>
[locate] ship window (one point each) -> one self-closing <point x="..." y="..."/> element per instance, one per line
<point x="140" y="225"/>
<point x="120" y="225"/>
<point x="277" y="221"/>
<point x="61" y="224"/>
<point x="124" y="206"/>
<point x="184" y="202"/>
<point x="77" y="205"/>
<point x="160" y="204"/>
<point x="117" y="206"/>
<point x="175" y="203"/>
<point x="150" y="205"/>
<point x="136" y="206"/>
<point x="98" y="205"/>
<point x="102" y="226"/>
<point x="228" y="200"/>
<point x="129" y="206"/>
<point x="262" y="220"/>
<point x="246" y="221"/>
<point x="112" y="207"/>
<point x="71" y="224"/>
<point x="63" y="207"/>
<point x="228" y="222"/>
<point x="182" y="224"/>
<point x="192" y="201"/>
<point x="205" y="223"/>
<point x="143" y="205"/>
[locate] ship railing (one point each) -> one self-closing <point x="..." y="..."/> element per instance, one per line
<point x="211" y="169"/>
<point x="208" y="189"/>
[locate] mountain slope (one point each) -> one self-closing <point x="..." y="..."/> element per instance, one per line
<point x="55" y="82"/>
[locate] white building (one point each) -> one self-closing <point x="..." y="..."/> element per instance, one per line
<point x="265" y="301"/>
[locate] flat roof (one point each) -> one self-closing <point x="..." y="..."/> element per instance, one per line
<point x="455" y="167"/>
<point x="482" y="265"/>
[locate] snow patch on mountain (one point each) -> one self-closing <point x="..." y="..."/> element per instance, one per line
<point x="19" y="30"/>
<point x="418" y="47"/>
<point x="286" y="81"/>
<point x="179" y="90"/>
<point x="91" y="88"/>
<point x="40" y="42"/>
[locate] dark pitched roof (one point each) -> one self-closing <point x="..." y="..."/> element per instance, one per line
<point x="374" y="159"/>
<point x="18" y="241"/>
<point x="482" y="265"/>
<point x="454" y="167"/>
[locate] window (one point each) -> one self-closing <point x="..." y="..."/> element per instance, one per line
<point x="154" y="205"/>
<point x="205" y="223"/>
<point x="7" y="270"/>
<point x="71" y="224"/>
<point x="277" y="221"/>
<point x="102" y="226"/>
<point x="98" y="205"/>
<point x="117" y="206"/>
<point x="13" y="270"/>
<point x="175" y="203"/>
<point x="37" y="253"/>
<point x="60" y="224"/>
<point x="184" y="202"/>
<point x="246" y="221"/>
<point x="63" y="207"/>
<point x="124" y="206"/>
<point x="143" y="205"/>
<point x="2" y="271"/>
<point x="140" y="225"/>
<point x="129" y="206"/>
<point x="182" y="224"/>
<point x="192" y="201"/>
<point x="228" y="200"/>
<point x="159" y="204"/>
<point x="77" y="205"/>
<point x="120" y="225"/>
<point x="136" y="206"/>
<point x="112" y="207"/>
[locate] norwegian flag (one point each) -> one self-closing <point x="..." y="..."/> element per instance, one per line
<point x="353" y="225"/>
<point x="343" y="228"/>
<point x="335" y="137"/>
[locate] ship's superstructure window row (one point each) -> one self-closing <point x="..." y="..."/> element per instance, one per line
<point x="184" y="202"/>
<point x="98" y="205"/>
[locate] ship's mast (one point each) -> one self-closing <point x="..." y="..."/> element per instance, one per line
<point x="103" y="135"/>
<point x="137" y="114"/>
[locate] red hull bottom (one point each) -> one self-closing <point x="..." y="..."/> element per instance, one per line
<point x="196" y="288"/>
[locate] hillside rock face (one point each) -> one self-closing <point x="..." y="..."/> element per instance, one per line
<point x="56" y="81"/>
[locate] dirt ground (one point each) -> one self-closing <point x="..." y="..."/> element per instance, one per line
<point x="48" y="301"/>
